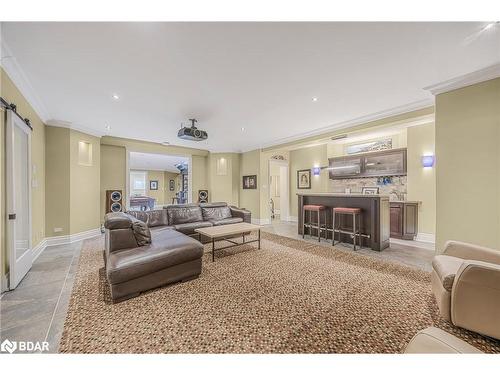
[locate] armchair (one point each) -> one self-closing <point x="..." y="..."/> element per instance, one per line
<point x="466" y="283"/>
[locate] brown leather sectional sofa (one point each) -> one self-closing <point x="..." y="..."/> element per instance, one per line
<point x="148" y="249"/>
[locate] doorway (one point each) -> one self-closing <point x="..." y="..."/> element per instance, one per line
<point x="279" y="199"/>
<point x="157" y="180"/>
<point x="18" y="189"/>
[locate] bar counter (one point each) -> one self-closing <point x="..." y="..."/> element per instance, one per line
<point x="375" y="216"/>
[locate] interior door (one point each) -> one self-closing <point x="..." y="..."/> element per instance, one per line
<point x="284" y="198"/>
<point x="18" y="168"/>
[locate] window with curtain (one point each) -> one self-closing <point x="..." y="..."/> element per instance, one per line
<point x="137" y="183"/>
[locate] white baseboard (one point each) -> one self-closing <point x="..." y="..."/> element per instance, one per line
<point x="4" y="283"/>
<point x="37" y="250"/>
<point x="261" y="221"/>
<point x="63" y="240"/>
<point x="51" y="241"/>
<point x="426" y="237"/>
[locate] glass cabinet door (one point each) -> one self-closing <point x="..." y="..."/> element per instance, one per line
<point x="386" y="164"/>
<point x="346" y="167"/>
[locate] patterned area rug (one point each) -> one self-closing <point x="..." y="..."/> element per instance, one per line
<point x="290" y="297"/>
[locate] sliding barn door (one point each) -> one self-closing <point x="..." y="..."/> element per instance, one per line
<point x="18" y="168"/>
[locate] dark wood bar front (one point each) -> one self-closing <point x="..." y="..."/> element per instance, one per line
<point x="375" y="216"/>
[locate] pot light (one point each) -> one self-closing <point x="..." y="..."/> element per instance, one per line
<point x="314" y="99"/>
<point x="115" y="96"/>
<point x="242" y="129"/>
<point x="107" y="127"/>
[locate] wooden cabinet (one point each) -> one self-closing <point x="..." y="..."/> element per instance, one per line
<point x="404" y="220"/>
<point x="372" y="164"/>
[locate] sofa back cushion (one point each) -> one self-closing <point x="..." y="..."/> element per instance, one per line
<point x="157" y="218"/>
<point x="215" y="211"/>
<point x="117" y="220"/>
<point x="184" y="213"/>
<point x="140" y="215"/>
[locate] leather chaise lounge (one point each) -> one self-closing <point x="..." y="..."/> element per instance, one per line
<point x="148" y="249"/>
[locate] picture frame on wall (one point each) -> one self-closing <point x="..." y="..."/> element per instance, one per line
<point x="369" y="190"/>
<point x="250" y="182"/>
<point x="153" y="185"/>
<point x="304" y="179"/>
<point x="171" y="185"/>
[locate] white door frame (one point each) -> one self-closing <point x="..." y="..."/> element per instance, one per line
<point x="281" y="163"/>
<point x="17" y="267"/>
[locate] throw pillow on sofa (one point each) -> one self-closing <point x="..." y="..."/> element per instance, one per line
<point x="142" y="233"/>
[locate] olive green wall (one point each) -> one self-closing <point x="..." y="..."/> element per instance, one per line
<point x="199" y="175"/>
<point x="250" y="198"/>
<point x="113" y="173"/>
<point x="306" y="158"/>
<point x="73" y="189"/>
<point x="57" y="181"/>
<point x="235" y="174"/>
<point x="9" y="92"/>
<point x="168" y="195"/>
<point x="85" y="201"/>
<point x="158" y="195"/>
<point x="224" y="188"/>
<point x="468" y="165"/>
<point x="421" y="182"/>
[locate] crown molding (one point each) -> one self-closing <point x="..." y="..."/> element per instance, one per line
<point x="12" y="68"/>
<point x="79" y="128"/>
<point x="481" y="75"/>
<point x="414" y="106"/>
<point x="395" y="125"/>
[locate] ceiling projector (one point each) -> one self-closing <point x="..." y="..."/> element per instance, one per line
<point x="192" y="133"/>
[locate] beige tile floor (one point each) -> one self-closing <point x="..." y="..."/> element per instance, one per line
<point x="36" y="309"/>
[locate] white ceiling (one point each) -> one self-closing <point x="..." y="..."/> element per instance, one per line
<point x="155" y="162"/>
<point x="260" y="76"/>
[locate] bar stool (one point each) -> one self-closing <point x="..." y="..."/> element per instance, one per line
<point x="313" y="208"/>
<point x="356" y="214"/>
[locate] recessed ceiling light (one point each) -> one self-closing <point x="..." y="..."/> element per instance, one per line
<point x="115" y="96"/>
<point x="107" y="127"/>
<point x="314" y="99"/>
<point x="242" y="129"/>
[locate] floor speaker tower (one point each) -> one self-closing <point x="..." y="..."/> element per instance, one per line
<point x="202" y="196"/>
<point x="114" y="199"/>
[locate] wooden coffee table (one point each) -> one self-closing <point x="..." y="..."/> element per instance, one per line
<point x="221" y="232"/>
